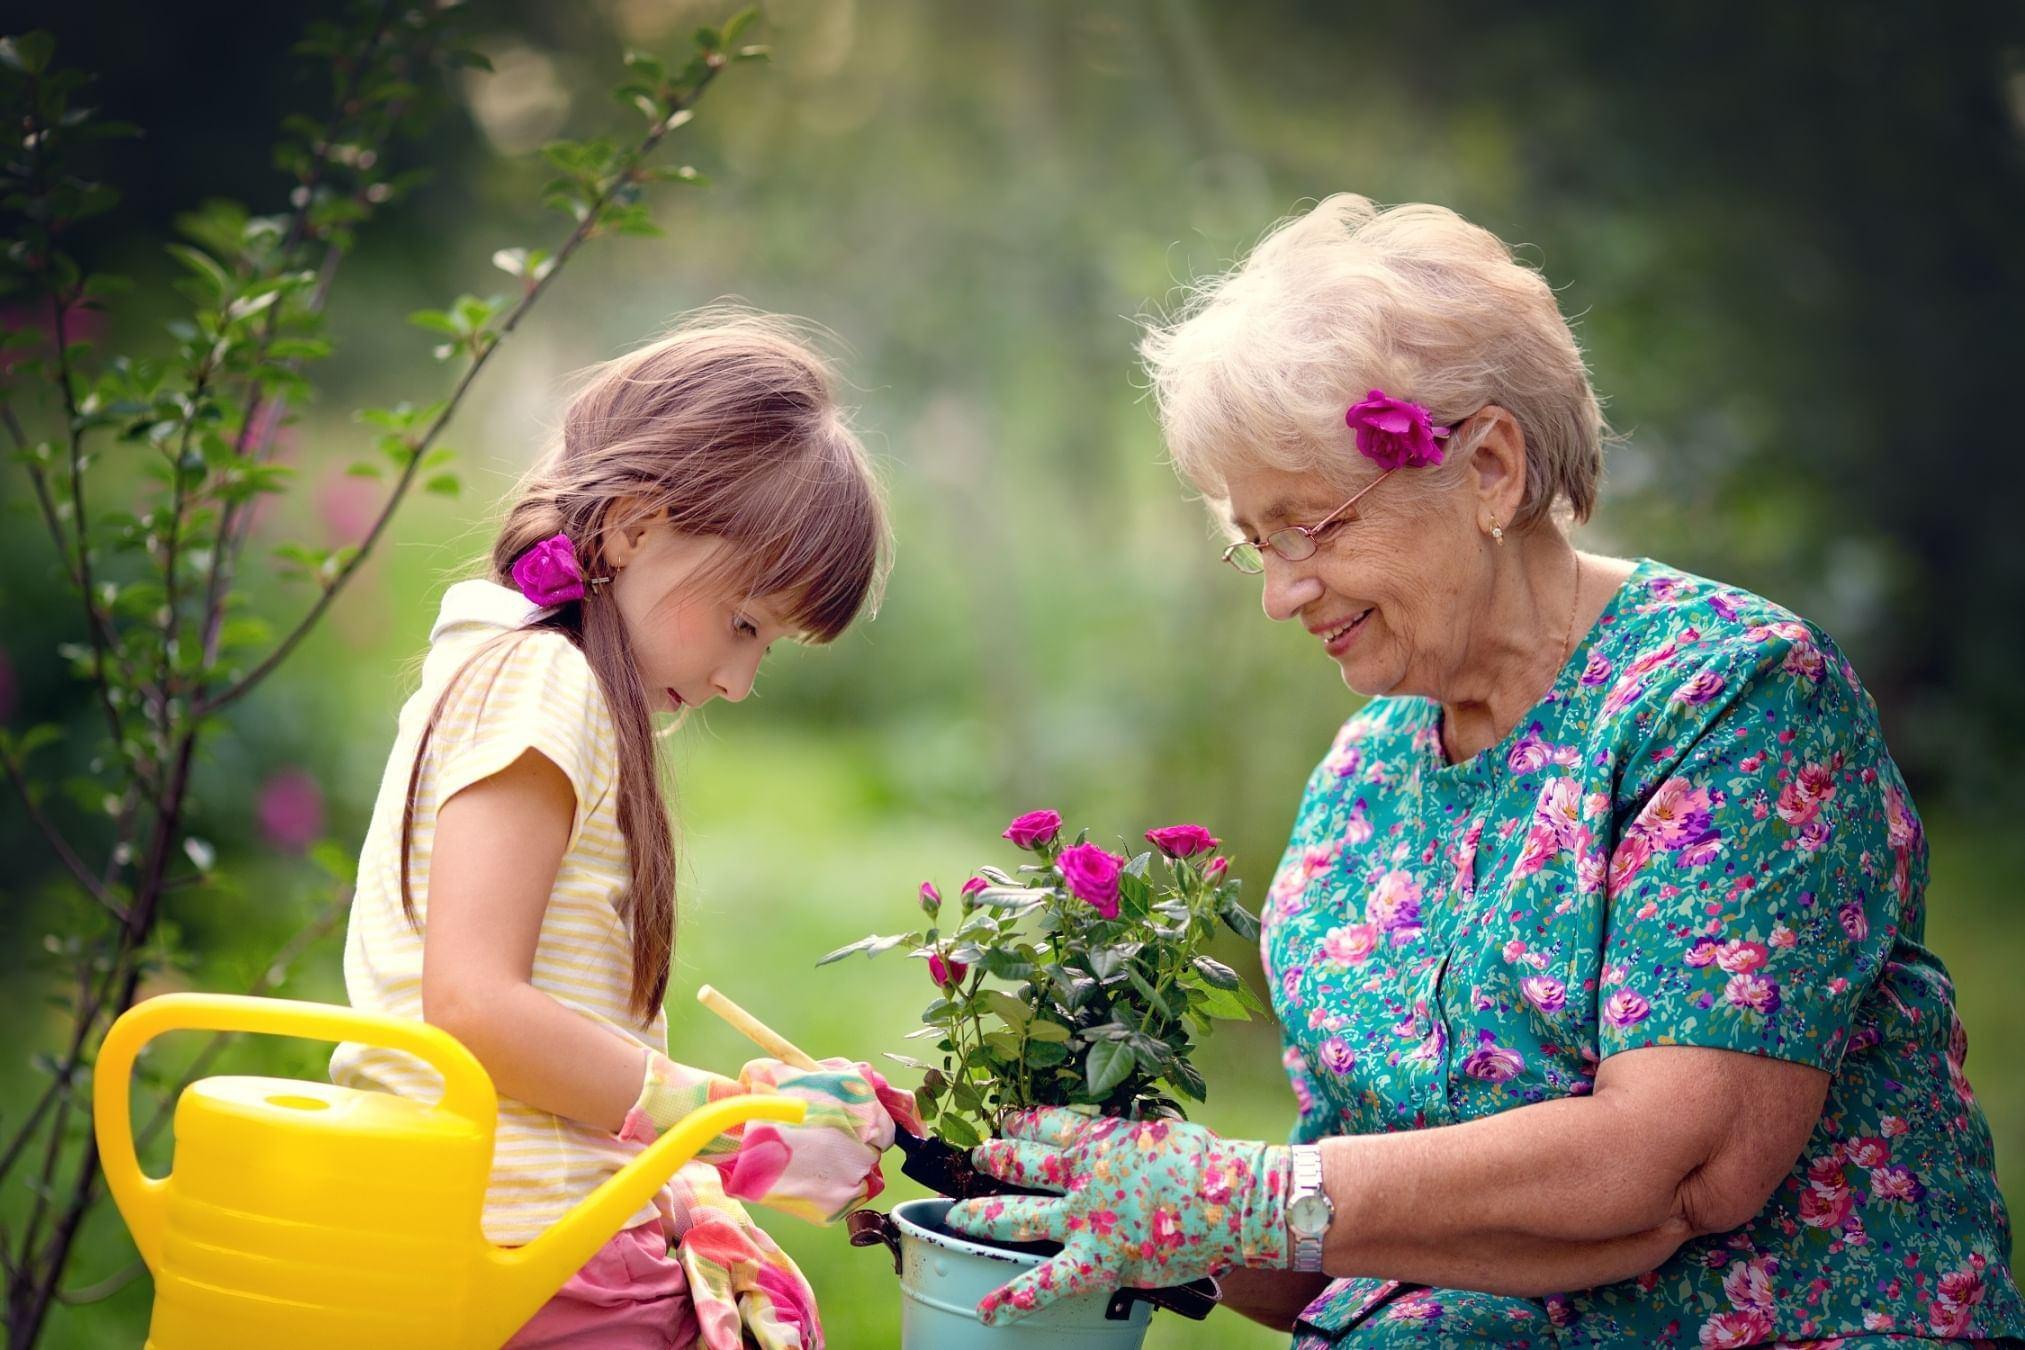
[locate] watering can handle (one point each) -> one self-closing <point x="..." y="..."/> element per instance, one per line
<point x="467" y="1090"/>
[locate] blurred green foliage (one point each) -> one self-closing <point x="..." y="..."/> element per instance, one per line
<point x="1788" y="235"/>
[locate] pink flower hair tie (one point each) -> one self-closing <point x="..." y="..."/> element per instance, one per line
<point x="548" y="574"/>
<point x="1395" y="433"/>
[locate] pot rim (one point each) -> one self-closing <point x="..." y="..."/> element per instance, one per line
<point x="930" y="1210"/>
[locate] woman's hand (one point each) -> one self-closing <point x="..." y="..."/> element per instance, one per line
<point x="1151" y="1203"/>
<point x="818" y="1170"/>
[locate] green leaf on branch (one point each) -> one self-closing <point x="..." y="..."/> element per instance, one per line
<point x="1106" y="1066"/>
<point x="1216" y="972"/>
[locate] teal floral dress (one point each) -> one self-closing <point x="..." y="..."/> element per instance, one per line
<point x="1697" y="838"/>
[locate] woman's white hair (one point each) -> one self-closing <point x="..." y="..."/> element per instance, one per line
<point x="1260" y="364"/>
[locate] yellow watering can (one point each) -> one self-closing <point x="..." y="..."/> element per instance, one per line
<point x="327" y="1218"/>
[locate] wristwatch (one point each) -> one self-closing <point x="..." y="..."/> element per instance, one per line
<point x="1309" y="1209"/>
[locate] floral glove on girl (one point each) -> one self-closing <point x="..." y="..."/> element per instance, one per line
<point x="745" y="1289"/>
<point x="818" y="1170"/>
<point x="1150" y="1203"/>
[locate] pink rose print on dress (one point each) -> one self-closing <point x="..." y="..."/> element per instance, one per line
<point x="1394" y="904"/>
<point x="1626" y="1008"/>
<point x="1337" y="1057"/>
<point x="1492" y="1062"/>
<point x="1736" y="1328"/>
<point x="1704" y="687"/>
<point x="1351" y="944"/>
<point x="1544" y="992"/>
<point x="1753" y="993"/>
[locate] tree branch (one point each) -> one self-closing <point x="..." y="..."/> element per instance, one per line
<point x="583" y="231"/>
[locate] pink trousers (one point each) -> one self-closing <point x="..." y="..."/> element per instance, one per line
<point x="631" y="1295"/>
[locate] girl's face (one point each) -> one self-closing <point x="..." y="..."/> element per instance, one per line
<point x="690" y="645"/>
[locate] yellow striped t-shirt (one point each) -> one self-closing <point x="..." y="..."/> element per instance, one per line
<point x="534" y="691"/>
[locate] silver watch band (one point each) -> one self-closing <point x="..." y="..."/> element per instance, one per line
<point x="1307" y="1181"/>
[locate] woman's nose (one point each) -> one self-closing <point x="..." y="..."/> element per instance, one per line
<point x="1288" y="589"/>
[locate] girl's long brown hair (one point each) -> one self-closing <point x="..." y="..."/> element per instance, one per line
<point x="730" y="426"/>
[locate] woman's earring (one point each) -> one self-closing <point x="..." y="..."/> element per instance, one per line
<point x="1498" y="532"/>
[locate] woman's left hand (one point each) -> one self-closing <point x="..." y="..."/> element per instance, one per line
<point x="1151" y="1203"/>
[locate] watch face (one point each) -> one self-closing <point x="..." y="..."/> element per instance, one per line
<point x="1309" y="1216"/>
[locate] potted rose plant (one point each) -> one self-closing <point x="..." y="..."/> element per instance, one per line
<point x="1081" y="978"/>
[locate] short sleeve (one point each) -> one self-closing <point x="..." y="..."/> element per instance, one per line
<point x="1758" y="884"/>
<point x="533" y="693"/>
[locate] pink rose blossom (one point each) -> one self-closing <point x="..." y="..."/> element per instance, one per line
<point x="1394" y="433"/>
<point x="1183" y="841"/>
<point x="945" y="971"/>
<point x="974" y="885"/>
<point x="931" y="899"/>
<point x="1216" y="868"/>
<point x="548" y="574"/>
<point x="1092" y="876"/>
<point x="1033" y="829"/>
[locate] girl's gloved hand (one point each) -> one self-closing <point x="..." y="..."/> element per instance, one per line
<point x="1149" y="1203"/>
<point x="818" y="1170"/>
<point x="744" y="1288"/>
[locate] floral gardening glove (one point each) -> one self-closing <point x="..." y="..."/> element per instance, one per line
<point x="1150" y="1203"/>
<point x="740" y="1283"/>
<point x="818" y="1170"/>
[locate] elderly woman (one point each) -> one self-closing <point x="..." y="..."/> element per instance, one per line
<point x="1598" y="942"/>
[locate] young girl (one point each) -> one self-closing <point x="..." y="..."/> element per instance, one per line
<point x="516" y="886"/>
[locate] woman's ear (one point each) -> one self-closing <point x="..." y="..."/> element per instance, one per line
<point x="1498" y="468"/>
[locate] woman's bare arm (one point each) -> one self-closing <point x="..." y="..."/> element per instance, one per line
<point x="499" y="845"/>
<point x="1675" y="1142"/>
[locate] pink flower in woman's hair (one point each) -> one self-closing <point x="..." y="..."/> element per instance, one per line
<point x="946" y="971"/>
<point x="1393" y="432"/>
<point x="1092" y="877"/>
<point x="1183" y="841"/>
<point x="1034" y="828"/>
<point x="974" y="885"/>
<point x="931" y="899"/>
<point x="548" y="573"/>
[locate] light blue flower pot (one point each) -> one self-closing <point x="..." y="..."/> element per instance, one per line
<point x="942" y="1276"/>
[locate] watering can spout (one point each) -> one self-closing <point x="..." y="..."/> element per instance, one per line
<point x="524" y="1278"/>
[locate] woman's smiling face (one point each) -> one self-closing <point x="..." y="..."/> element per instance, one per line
<point x="1385" y="592"/>
<point x="690" y="642"/>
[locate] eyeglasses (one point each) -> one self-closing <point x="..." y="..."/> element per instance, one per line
<point x="1296" y="542"/>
